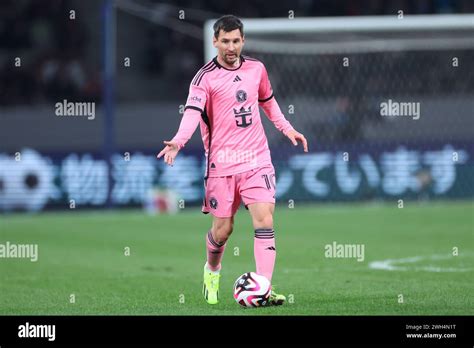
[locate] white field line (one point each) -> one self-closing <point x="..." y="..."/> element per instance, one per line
<point x="396" y="264"/>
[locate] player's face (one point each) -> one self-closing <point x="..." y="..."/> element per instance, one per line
<point x="229" y="45"/>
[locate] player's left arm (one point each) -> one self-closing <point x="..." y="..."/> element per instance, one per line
<point x="272" y="110"/>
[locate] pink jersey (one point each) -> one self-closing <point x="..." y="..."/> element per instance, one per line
<point x="227" y="101"/>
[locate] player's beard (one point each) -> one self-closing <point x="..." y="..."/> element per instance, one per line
<point x="232" y="60"/>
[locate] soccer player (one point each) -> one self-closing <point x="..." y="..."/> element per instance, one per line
<point x="224" y="98"/>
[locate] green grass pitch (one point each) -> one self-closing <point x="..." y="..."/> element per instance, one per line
<point x="83" y="253"/>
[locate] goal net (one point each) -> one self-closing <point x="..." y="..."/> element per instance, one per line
<point x="386" y="102"/>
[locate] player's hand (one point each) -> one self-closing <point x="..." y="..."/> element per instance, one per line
<point x="295" y="136"/>
<point x="170" y="151"/>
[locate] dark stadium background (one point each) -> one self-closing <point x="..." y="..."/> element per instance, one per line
<point x="81" y="188"/>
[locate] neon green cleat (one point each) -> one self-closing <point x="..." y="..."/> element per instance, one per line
<point x="210" y="286"/>
<point x="276" y="299"/>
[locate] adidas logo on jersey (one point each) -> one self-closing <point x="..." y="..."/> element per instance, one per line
<point x="237" y="78"/>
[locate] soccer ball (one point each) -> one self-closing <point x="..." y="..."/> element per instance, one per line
<point x="252" y="290"/>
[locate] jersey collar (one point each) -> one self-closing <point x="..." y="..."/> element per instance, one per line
<point x="242" y="59"/>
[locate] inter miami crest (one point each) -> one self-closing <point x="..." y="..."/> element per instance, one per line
<point x="241" y="96"/>
<point x="243" y="117"/>
<point x="213" y="203"/>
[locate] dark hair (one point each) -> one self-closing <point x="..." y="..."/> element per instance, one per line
<point x="228" y="23"/>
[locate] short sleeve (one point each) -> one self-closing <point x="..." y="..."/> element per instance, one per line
<point x="265" y="91"/>
<point x="197" y="97"/>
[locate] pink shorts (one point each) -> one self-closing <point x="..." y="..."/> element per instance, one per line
<point x="224" y="194"/>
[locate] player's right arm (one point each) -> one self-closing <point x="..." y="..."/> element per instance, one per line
<point x="192" y="114"/>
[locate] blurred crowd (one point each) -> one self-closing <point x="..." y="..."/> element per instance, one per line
<point x="43" y="53"/>
<point x="261" y="8"/>
<point x="174" y="57"/>
<point x="54" y="50"/>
